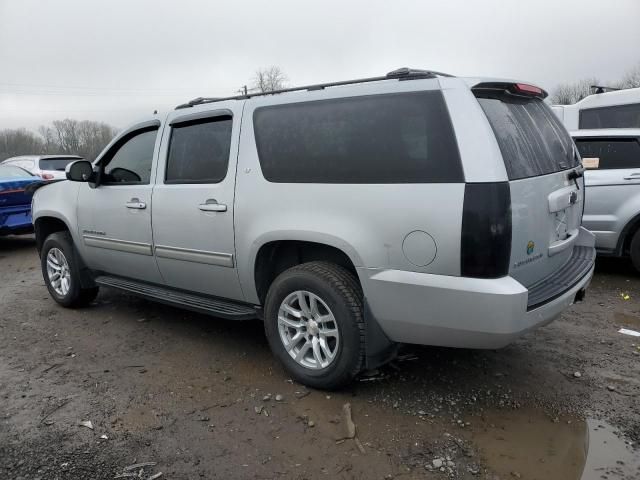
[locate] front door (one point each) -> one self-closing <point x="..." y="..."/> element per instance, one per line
<point x="114" y="218"/>
<point x="193" y="202"/>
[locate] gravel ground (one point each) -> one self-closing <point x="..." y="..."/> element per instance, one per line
<point x="189" y="396"/>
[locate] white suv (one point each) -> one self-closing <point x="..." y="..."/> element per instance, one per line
<point x="612" y="177"/>
<point x="414" y="207"/>
<point x="47" y="167"/>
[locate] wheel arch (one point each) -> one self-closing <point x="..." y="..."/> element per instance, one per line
<point x="45" y="225"/>
<point x="275" y="256"/>
<point x="626" y="235"/>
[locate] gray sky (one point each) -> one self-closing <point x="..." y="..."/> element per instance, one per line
<point x="118" y="60"/>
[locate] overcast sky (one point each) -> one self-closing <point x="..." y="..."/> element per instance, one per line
<point x="118" y="60"/>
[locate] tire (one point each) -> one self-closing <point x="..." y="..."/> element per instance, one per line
<point x="336" y="294"/>
<point x="58" y="250"/>
<point x="634" y="250"/>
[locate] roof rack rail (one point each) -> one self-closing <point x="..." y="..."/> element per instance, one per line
<point x="399" y="74"/>
<point x="595" y="89"/>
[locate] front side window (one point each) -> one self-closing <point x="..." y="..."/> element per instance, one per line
<point x="199" y="151"/>
<point x="617" y="116"/>
<point x="392" y="138"/>
<point x="612" y="153"/>
<point x="131" y="161"/>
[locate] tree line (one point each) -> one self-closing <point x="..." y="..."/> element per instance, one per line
<point x="572" y="92"/>
<point x="86" y="138"/>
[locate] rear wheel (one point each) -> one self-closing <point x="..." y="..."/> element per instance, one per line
<point x="314" y="324"/>
<point x="61" y="272"/>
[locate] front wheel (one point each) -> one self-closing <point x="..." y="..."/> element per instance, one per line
<point x="62" y="273"/>
<point x="314" y="324"/>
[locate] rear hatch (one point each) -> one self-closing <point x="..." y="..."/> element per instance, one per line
<point x="545" y="178"/>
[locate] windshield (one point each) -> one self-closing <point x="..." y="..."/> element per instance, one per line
<point x="58" y="164"/>
<point x="531" y="138"/>
<point x="9" y="171"/>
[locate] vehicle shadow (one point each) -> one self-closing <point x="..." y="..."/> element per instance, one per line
<point x="617" y="266"/>
<point x="17" y="242"/>
<point x="432" y="370"/>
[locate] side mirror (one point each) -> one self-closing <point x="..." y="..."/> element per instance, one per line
<point x="79" y="171"/>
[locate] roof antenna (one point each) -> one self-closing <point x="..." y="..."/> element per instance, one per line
<point x="155" y="112"/>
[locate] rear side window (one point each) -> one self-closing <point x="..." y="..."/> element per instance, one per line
<point x="199" y="151"/>
<point x="617" y="116"/>
<point x="396" y="138"/>
<point x="531" y="138"/>
<point x="58" y="164"/>
<point x="611" y="153"/>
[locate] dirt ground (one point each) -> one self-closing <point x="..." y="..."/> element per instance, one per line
<point x="198" y="397"/>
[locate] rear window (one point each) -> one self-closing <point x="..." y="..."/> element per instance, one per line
<point x="617" y="116"/>
<point x="55" y="163"/>
<point x="611" y="153"/>
<point x="531" y="138"/>
<point x="396" y="138"/>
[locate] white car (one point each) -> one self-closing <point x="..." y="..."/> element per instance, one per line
<point x="48" y="167"/>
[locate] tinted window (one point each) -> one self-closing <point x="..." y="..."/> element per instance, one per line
<point x="612" y="153"/>
<point x="531" y="138"/>
<point x="199" y="151"/>
<point x="618" y="116"/>
<point x="399" y="138"/>
<point x="131" y="163"/>
<point x="55" y="163"/>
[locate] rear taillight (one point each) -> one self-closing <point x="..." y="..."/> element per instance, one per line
<point x="526" y="89"/>
<point x="486" y="230"/>
<point x="520" y="89"/>
<point x="46" y="176"/>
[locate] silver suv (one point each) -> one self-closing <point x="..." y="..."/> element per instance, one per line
<point x="612" y="207"/>
<point x="414" y="207"/>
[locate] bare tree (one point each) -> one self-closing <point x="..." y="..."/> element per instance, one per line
<point x="269" y="79"/>
<point x="568" y="93"/>
<point x="19" y="142"/>
<point x="85" y="138"/>
<point x="631" y="79"/>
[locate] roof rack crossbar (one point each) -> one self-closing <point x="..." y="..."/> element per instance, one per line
<point x="399" y="74"/>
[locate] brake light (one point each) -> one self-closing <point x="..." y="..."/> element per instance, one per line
<point x="46" y="176"/>
<point x="486" y="230"/>
<point x="526" y="89"/>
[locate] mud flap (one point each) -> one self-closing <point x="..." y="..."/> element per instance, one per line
<point x="378" y="348"/>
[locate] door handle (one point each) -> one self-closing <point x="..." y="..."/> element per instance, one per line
<point x="632" y="176"/>
<point x="212" y="205"/>
<point x="136" y="203"/>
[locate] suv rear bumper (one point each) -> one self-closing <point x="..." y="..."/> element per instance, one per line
<point x="429" y="309"/>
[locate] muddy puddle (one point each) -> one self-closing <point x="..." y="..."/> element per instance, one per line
<point x="530" y="445"/>
<point x="627" y="320"/>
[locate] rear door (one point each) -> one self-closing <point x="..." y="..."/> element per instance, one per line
<point x="547" y="202"/>
<point x="193" y="202"/>
<point x="613" y="179"/>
